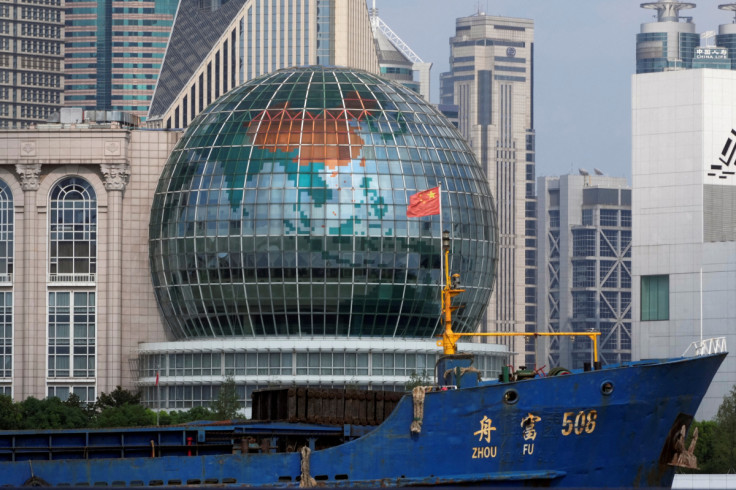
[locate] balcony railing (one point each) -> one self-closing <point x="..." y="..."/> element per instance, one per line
<point x="77" y="279"/>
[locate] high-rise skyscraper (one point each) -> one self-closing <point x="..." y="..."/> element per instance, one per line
<point x="217" y="46"/>
<point x="31" y="61"/>
<point x="684" y="231"/>
<point x="491" y="81"/>
<point x="584" y="271"/>
<point x="114" y="52"/>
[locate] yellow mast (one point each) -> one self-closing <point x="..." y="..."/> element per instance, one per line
<point x="451" y="289"/>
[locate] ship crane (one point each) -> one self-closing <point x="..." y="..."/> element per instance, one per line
<point x="452" y="289"/>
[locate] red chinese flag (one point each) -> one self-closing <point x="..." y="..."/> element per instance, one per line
<point x="156" y="378"/>
<point x="425" y="203"/>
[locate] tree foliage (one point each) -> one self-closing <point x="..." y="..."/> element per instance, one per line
<point x="226" y="406"/>
<point x="10" y="414"/>
<point x="716" y="446"/>
<point x="119" y="408"/>
<point x="117" y="398"/>
<point x="417" y="379"/>
<point x="126" y="415"/>
<point x="51" y="413"/>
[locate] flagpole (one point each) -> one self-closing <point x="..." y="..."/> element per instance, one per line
<point x="442" y="266"/>
<point x="158" y="393"/>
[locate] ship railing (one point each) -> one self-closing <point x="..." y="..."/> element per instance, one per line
<point x="705" y="347"/>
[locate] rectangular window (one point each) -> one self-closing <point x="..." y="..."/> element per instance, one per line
<point x="587" y="217"/>
<point x="609" y="217"/>
<point x="655" y="298"/>
<point x="6" y="335"/>
<point x="71" y="335"/>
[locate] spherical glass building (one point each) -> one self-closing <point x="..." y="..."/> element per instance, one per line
<point x="282" y="212"/>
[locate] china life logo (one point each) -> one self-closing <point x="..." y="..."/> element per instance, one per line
<point x="725" y="165"/>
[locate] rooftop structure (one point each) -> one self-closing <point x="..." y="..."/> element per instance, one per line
<point x="397" y="60"/>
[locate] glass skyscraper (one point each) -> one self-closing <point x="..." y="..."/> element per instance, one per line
<point x="114" y="52"/>
<point x="217" y="46"/>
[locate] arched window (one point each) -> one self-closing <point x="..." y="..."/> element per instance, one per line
<point x="73" y="231"/>
<point x="6" y="233"/>
<point x="6" y="275"/>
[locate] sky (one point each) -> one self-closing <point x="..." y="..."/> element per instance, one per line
<point x="584" y="55"/>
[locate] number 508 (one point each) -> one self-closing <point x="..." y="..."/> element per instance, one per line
<point x="579" y="422"/>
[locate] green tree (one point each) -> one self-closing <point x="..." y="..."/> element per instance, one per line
<point x="126" y="415"/>
<point x="416" y="379"/>
<point x="192" y="415"/>
<point x="704" y="449"/>
<point x="724" y="442"/>
<point x="226" y="405"/>
<point x="10" y="414"/>
<point x="117" y="398"/>
<point x="51" y="413"/>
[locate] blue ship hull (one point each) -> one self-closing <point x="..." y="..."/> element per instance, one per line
<point x="611" y="427"/>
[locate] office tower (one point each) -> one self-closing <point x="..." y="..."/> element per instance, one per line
<point x="584" y="270"/>
<point x="491" y="81"/>
<point x="114" y="52"/>
<point x="397" y="60"/>
<point x="684" y="232"/>
<point x="31" y="61"/>
<point x="218" y="46"/>
<point x="682" y="237"/>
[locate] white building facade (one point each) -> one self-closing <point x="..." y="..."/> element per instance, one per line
<point x="684" y="216"/>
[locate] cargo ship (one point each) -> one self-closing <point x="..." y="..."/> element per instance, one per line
<point x="618" y="425"/>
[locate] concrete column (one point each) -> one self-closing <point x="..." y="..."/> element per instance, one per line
<point x="30" y="294"/>
<point x="109" y="354"/>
